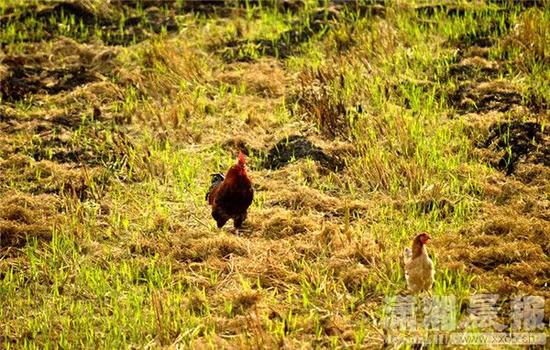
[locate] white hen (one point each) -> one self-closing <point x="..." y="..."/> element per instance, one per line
<point x="419" y="268"/>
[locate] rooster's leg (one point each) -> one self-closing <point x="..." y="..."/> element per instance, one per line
<point x="220" y="218"/>
<point x="221" y="222"/>
<point x="238" y="221"/>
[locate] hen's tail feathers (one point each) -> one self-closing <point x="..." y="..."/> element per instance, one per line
<point x="405" y="260"/>
<point x="216" y="180"/>
<point x="407" y="255"/>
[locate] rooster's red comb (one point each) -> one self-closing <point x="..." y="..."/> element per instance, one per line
<point x="242" y="161"/>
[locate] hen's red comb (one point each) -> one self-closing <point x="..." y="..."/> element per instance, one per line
<point x="242" y="161"/>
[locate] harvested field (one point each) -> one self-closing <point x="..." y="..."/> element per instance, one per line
<point x="363" y="123"/>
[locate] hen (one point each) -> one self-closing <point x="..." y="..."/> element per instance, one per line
<point x="419" y="268"/>
<point x="231" y="195"/>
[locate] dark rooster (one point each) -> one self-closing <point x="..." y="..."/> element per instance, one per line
<point x="231" y="195"/>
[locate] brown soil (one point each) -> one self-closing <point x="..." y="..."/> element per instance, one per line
<point x="527" y="142"/>
<point x="480" y="92"/>
<point x="22" y="81"/>
<point x="506" y="248"/>
<point x="483" y="97"/>
<point x="474" y="68"/>
<point x="297" y="147"/>
<point x="288" y="42"/>
<point x="134" y="29"/>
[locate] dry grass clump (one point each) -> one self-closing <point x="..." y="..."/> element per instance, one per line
<point x="528" y="43"/>
<point x="534" y="273"/>
<point x="244" y="301"/>
<point x="489" y="257"/>
<point x="273" y="271"/>
<point x="502" y="87"/>
<point x="279" y="224"/>
<point x="502" y="226"/>
<point x="17" y="235"/>
<point x="100" y="58"/>
<point x="100" y="99"/>
<point x="355" y="262"/>
<point x="319" y="98"/>
<point x="24" y="218"/>
<point x="51" y="177"/>
<point x="14" y="212"/>
<point x="201" y="249"/>
<point x="479" y="62"/>
<point x="305" y="198"/>
<point x="505" y="243"/>
<point x="496" y="95"/>
<point x="182" y="66"/>
<point x="16" y="161"/>
<point x="264" y="78"/>
<point x="97" y="7"/>
<point x="536" y="174"/>
<point x="516" y="195"/>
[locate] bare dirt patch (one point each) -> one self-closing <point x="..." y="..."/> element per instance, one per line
<point x="64" y="136"/>
<point x="47" y="21"/>
<point x="297" y="147"/>
<point x="22" y="81"/>
<point x="285" y="45"/>
<point x="47" y="177"/>
<point x="483" y="97"/>
<point x="68" y="66"/>
<point x="474" y="68"/>
<point x="514" y="142"/>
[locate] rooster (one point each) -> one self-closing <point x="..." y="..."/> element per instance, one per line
<point x="231" y="195"/>
<point x="419" y="268"/>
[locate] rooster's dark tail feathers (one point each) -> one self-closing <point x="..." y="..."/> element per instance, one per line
<point x="216" y="180"/>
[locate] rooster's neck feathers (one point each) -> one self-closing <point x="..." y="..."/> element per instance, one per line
<point x="237" y="175"/>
